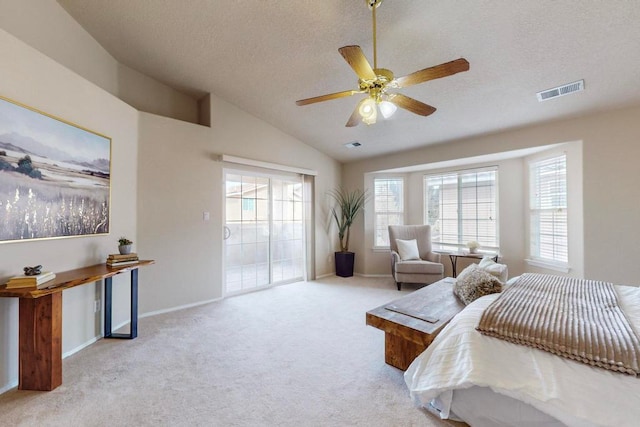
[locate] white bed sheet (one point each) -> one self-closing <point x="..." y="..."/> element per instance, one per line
<point x="571" y="392"/>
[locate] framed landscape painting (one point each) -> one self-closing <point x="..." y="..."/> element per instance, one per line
<point x="54" y="176"/>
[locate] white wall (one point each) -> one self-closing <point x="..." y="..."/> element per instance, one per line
<point x="180" y="177"/>
<point x="610" y="175"/>
<point x="37" y="81"/>
<point x="46" y="26"/>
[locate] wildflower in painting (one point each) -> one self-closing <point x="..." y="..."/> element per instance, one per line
<point x="31" y="215"/>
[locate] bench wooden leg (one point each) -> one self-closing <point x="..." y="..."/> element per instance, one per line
<point x="40" y="342"/>
<point x="400" y="352"/>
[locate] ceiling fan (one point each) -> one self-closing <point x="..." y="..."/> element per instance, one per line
<point x="376" y="83"/>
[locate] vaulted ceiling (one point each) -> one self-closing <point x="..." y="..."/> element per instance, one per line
<point x="264" y="55"/>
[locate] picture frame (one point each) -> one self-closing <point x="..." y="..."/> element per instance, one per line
<point x="55" y="176"/>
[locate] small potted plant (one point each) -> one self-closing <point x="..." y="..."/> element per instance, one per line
<point x="124" y="245"/>
<point x="473" y="246"/>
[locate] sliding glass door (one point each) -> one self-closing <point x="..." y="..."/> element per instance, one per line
<point x="287" y="231"/>
<point x="264" y="231"/>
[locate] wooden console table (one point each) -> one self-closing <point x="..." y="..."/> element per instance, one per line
<point x="40" y="321"/>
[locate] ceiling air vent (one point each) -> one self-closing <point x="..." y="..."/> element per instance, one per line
<point x="352" y="144"/>
<point x="561" y="90"/>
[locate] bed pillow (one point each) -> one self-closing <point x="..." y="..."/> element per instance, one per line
<point x="474" y="283"/>
<point x="495" y="269"/>
<point x="408" y="249"/>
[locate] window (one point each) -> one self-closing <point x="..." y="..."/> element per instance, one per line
<point x="388" y="206"/>
<point x="548" y="210"/>
<point x="462" y="206"/>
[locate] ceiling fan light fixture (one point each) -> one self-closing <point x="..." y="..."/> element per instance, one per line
<point x="368" y="111"/>
<point x="375" y="83"/>
<point x="387" y="108"/>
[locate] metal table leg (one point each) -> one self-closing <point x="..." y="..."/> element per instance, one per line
<point x="108" y="301"/>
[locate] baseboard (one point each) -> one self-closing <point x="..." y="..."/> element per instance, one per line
<point x="81" y="346"/>
<point x="373" y="276"/>
<point x="12" y="384"/>
<point x="180" y="307"/>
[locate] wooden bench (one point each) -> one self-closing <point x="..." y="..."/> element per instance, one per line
<point x="412" y="322"/>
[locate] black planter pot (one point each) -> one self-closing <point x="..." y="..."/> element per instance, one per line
<point x="344" y="263"/>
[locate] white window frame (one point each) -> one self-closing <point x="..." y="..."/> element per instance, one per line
<point x="557" y="207"/>
<point x="377" y="211"/>
<point x="450" y="246"/>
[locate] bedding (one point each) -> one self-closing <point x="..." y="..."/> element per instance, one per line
<point x="574" y="318"/>
<point x="575" y="394"/>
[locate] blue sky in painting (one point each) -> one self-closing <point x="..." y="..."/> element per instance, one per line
<point x="74" y="142"/>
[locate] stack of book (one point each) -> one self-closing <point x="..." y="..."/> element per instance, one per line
<point x="40" y="281"/>
<point x="116" y="260"/>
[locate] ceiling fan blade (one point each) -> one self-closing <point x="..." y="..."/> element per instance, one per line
<point x="355" y="118"/>
<point x="411" y="104"/>
<point x="356" y="59"/>
<point x="432" y="73"/>
<point x="327" y="97"/>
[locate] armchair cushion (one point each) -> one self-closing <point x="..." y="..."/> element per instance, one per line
<point x="408" y="249"/>
<point x="419" y="267"/>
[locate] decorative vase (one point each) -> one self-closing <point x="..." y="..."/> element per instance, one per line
<point x="473" y="250"/>
<point x="124" y="249"/>
<point x="344" y="263"/>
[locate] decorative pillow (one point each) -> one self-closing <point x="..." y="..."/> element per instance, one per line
<point x="408" y="249"/>
<point x="511" y="281"/>
<point x="474" y="283"/>
<point x="490" y="266"/>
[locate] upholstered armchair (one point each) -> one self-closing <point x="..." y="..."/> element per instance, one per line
<point x="413" y="262"/>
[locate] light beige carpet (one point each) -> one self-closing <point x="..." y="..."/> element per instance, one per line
<point x="293" y="355"/>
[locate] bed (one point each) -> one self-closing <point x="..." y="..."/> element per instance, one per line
<point x="486" y="381"/>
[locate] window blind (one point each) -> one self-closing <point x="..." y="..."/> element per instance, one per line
<point x="462" y="206"/>
<point x="548" y="209"/>
<point x="388" y="207"/>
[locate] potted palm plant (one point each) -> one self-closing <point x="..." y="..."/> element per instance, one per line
<point x="348" y="205"/>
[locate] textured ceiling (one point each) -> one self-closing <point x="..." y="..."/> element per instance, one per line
<point x="264" y="55"/>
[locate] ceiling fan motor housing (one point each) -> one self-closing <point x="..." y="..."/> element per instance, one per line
<point x="376" y="87"/>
